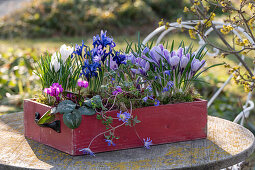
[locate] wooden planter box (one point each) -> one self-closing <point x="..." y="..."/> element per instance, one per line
<point x="163" y="124"/>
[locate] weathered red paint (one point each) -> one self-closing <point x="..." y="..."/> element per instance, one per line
<point x="163" y="124"/>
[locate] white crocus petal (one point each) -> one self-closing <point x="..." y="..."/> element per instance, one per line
<point x="65" y="52"/>
<point x="54" y="62"/>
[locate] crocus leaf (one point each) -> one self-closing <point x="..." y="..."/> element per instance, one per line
<point x="46" y="118"/>
<point x="72" y="120"/>
<point x="86" y="111"/>
<point x="66" y="106"/>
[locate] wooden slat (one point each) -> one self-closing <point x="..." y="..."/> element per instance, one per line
<point x="227" y="144"/>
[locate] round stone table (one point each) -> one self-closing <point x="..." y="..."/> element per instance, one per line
<point x="227" y="144"/>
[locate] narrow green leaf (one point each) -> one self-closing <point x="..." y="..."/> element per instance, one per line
<point x="46" y="118"/>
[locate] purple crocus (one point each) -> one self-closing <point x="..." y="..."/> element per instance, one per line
<point x="156" y="54"/>
<point x="81" y="83"/>
<point x="174" y="61"/>
<point x="110" y="142"/>
<point x="180" y="52"/>
<point x="147" y="143"/>
<point x="131" y="58"/>
<point x="117" y="91"/>
<point x="125" y="116"/>
<point x="197" y="64"/>
<point x="184" y="62"/>
<point x="167" y="55"/>
<point x="113" y="64"/>
<point x="143" y="65"/>
<point x="87" y="151"/>
<point x="146" y="50"/>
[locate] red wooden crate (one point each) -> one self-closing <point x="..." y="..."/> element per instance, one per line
<point x="163" y="124"/>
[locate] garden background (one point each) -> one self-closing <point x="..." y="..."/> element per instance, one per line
<point x="28" y="28"/>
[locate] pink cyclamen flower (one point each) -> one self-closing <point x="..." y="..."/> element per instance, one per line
<point x="84" y="84"/>
<point x="54" y="90"/>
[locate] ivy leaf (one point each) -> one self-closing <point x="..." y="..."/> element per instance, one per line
<point x="87" y="103"/>
<point x="46" y="118"/>
<point x="73" y="119"/>
<point x="86" y="111"/>
<point x="66" y="106"/>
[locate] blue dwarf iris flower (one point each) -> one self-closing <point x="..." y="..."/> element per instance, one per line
<point x="78" y="49"/>
<point x="119" y="58"/>
<point x="103" y="42"/>
<point x="90" y="70"/>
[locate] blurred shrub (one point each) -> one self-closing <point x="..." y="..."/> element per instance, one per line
<point x="16" y="77"/>
<point x="45" y="18"/>
<point x="227" y="105"/>
<point x="168" y="9"/>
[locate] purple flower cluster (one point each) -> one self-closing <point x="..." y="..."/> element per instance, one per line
<point x="141" y="62"/>
<point x="117" y="91"/>
<point x="54" y="90"/>
<point x="81" y="83"/>
<point x="176" y="59"/>
<point x="125" y="116"/>
<point x="101" y="53"/>
<point x="90" y="70"/>
<point x="100" y="43"/>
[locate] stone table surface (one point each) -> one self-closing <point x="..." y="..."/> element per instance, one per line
<point x="227" y="144"/>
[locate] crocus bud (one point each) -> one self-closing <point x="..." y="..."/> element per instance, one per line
<point x="180" y="52"/>
<point x="167" y="55"/>
<point x="65" y="52"/>
<point x="184" y="62"/>
<point x="54" y="62"/>
<point x="146" y="50"/>
<point x="161" y="47"/>
<point x="196" y="65"/>
<point x="174" y="61"/>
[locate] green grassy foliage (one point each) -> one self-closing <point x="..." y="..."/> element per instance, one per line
<point x="47" y="18"/>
